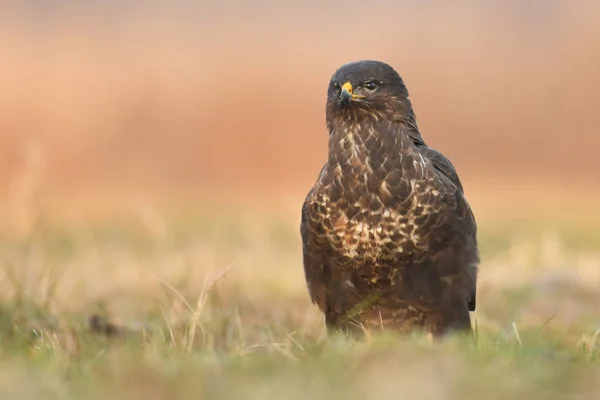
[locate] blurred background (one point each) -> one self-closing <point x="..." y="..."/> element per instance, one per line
<point x="113" y="99"/>
<point x="147" y="109"/>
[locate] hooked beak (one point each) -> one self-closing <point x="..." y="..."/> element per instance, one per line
<point x="347" y="94"/>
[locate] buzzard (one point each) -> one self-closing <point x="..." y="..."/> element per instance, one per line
<point x="389" y="240"/>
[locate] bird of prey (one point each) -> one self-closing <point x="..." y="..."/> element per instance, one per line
<point x="389" y="240"/>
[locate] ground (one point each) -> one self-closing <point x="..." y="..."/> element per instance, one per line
<point x="214" y="305"/>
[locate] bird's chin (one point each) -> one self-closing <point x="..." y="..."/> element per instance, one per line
<point x="348" y="105"/>
<point x="352" y="101"/>
<point x="352" y="110"/>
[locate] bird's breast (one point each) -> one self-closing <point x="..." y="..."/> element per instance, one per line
<point x="374" y="198"/>
<point x="357" y="229"/>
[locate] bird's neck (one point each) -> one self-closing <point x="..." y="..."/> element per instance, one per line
<point x="353" y="144"/>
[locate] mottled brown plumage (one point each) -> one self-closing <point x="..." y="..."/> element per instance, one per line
<point x="389" y="240"/>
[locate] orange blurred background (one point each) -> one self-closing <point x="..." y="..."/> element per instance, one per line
<point x="101" y="101"/>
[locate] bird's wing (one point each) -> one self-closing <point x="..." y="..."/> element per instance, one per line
<point x="460" y="230"/>
<point x="443" y="165"/>
<point x="313" y="258"/>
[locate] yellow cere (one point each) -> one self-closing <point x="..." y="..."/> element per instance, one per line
<point x="347" y="87"/>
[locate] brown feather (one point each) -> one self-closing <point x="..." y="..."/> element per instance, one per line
<point x="389" y="239"/>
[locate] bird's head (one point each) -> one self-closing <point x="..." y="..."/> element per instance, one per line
<point x="366" y="88"/>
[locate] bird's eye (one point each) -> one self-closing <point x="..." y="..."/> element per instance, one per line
<point x="336" y="87"/>
<point x="370" y="85"/>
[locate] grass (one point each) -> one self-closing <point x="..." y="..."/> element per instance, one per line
<point x="217" y="308"/>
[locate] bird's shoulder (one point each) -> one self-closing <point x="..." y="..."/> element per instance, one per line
<point x="443" y="166"/>
<point x="454" y="214"/>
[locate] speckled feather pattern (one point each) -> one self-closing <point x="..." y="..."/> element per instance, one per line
<point x="387" y="219"/>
